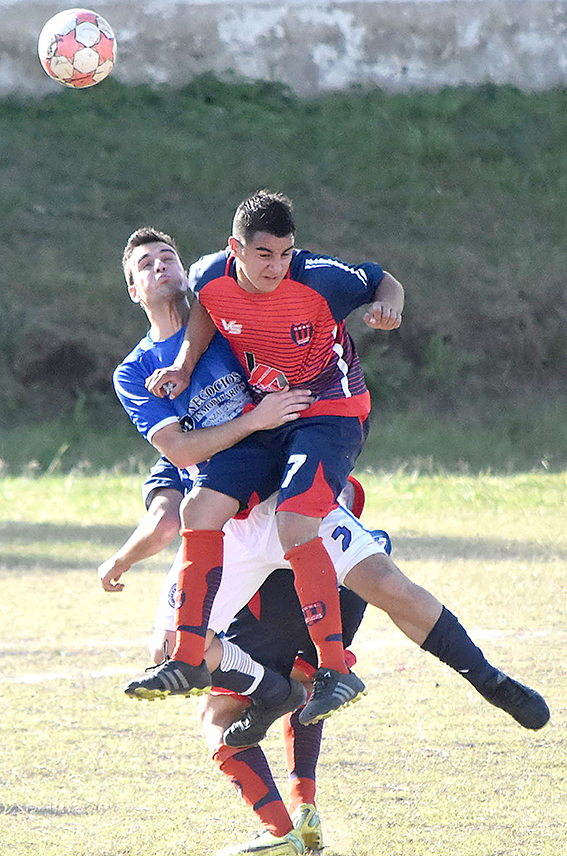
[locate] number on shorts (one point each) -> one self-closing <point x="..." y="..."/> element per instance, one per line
<point x="295" y="463"/>
<point x="345" y="534"/>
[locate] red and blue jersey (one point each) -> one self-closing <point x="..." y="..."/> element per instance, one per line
<point x="295" y="334"/>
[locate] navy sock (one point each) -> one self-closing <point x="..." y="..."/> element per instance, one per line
<point x="450" y="643"/>
<point x="302" y="747"/>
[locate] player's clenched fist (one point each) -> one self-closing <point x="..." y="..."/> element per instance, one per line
<point x="380" y="316"/>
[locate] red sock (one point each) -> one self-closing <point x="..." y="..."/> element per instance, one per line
<point x="316" y="587"/>
<point x="302" y="746"/>
<point x="197" y="584"/>
<point x="248" y="771"/>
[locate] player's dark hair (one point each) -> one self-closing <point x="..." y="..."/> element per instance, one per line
<point x="263" y="212"/>
<point x="145" y="235"/>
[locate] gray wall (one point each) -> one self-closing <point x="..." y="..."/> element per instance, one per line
<point x="311" y="45"/>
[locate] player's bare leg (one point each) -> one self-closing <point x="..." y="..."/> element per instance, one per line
<point x="429" y="624"/>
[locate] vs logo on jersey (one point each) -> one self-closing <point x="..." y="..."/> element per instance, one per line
<point x="233" y="328"/>
<point x="302" y="334"/>
<point x="264" y="378"/>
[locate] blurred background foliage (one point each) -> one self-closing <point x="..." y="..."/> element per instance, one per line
<point x="459" y="193"/>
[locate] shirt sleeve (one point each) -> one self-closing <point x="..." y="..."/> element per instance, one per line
<point x="345" y="287"/>
<point x="204" y="269"/>
<point x="147" y="412"/>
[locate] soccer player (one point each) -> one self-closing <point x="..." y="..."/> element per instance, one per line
<point x="283" y="311"/>
<point x="271" y="630"/>
<point x="271" y="624"/>
<point x="159" y="285"/>
<point x="272" y="627"/>
<point x="254" y="546"/>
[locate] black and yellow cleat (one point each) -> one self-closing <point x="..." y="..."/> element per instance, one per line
<point x="172" y="677"/>
<point x="332" y="691"/>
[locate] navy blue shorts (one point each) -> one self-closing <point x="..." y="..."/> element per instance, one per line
<point x="162" y="476"/>
<point x="307" y="461"/>
<point x="271" y="628"/>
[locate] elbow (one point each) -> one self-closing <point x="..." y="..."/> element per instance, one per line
<point x="164" y="515"/>
<point x="179" y="456"/>
<point x="183" y="461"/>
<point x="167" y="529"/>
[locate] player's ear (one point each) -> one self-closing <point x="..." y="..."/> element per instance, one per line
<point x="235" y="245"/>
<point x="133" y="293"/>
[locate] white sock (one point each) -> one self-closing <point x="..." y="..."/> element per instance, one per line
<point x="237" y="660"/>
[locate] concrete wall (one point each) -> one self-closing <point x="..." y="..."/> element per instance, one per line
<point x="311" y="45"/>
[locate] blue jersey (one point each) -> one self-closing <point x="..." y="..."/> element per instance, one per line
<point x="217" y="392"/>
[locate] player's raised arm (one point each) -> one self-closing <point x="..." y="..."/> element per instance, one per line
<point x="173" y="379"/>
<point x="385" y="313"/>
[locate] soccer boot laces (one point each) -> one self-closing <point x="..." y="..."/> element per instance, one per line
<point x="523" y="704"/>
<point x="170" y="677"/>
<point x="266" y="844"/>
<point x="307" y="823"/>
<point x="258" y="716"/>
<point x="332" y="691"/>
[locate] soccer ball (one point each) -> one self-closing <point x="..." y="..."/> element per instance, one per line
<point x="77" y="48"/>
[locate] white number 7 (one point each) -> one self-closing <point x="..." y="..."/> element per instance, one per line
<point x="294" y="462"/>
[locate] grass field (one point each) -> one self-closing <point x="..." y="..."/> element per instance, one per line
<point x="422" y="767"/>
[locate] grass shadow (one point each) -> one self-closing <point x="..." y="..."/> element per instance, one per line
<point x="15" y="531"/>
<point x="407" y="547"/>
<point x="444" y="548"/>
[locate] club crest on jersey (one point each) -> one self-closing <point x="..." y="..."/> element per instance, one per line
<point x="314" y="612"/>
<point x="233" y="328"/>
<point x="301" y="334"/>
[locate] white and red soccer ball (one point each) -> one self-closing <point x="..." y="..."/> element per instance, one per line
<point x="77" y="48"/>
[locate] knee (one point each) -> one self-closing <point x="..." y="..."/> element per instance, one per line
<point x="296" y="529"/>
<point x="207" y="509"/>
<point x="214" y="714"/>
<point x="380" y="582"/>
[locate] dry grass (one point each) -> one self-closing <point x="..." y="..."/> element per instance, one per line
<point x="423" y="766"/>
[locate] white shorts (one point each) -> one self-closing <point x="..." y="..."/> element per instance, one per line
<point x="252" y="550"/>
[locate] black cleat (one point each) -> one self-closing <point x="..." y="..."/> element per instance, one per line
<point x="525" y="705"/>
<point x="331" y="691"/>
<point x="254" y="723"/>
<point x="172" y="677"/>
